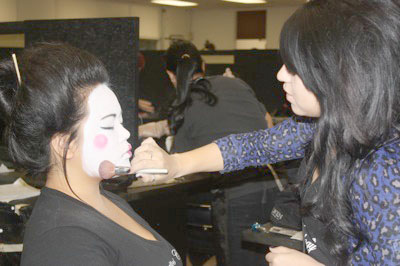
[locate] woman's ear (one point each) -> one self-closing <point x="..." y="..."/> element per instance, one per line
<point x="61" y="142"/>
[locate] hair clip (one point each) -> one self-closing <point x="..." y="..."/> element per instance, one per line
<point x="185" y="56"/>
<point x="14" y="57"/>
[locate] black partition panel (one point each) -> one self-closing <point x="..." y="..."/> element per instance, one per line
<point x="154" y="84"/>
<point x="113" y="40"/>
<point x="259" y="69"/>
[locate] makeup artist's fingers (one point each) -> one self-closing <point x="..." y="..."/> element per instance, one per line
<point x="147" y="145"/>
<point x="283" y="256"/>
<point x="149" y="141"/>
<point x="148" y="155"/>
<point x="146" y="178"/>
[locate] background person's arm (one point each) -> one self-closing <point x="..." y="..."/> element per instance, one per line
<point x="154" y="129"/>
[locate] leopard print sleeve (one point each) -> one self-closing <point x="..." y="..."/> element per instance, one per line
<point x="375" y="197"/>
<point x="285" y="141"/>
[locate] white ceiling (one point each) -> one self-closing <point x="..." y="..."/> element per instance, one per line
<point x="211" y="4"/>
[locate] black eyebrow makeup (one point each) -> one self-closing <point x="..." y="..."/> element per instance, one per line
<point x="110" y="115"/>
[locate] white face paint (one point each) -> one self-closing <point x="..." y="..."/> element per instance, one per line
<point x="105" y="138"/>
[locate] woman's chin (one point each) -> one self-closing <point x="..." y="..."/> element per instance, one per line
<point x="124" y="162"/>
<point x="296" y="111"/>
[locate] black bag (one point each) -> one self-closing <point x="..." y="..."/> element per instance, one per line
<point x="11" y="225"/>
<point x="286" y="210"/>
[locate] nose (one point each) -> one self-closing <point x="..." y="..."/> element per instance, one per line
<point x="283" y="74"/>
<point x="124" y="135"/>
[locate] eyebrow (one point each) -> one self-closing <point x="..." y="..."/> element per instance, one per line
<point x="110" y="115"/>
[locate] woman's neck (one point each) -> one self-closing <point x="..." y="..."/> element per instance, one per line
<point x="79" y="186"/>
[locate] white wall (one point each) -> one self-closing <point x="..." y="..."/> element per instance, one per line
<point x="246" y="44"/>
<point x="174" y="22"/>
<point x="31" y="9"/>
<point x="276" y="17"/>
<point x="218" y="26"/>
<point x="158" y="23"/>
<point x="65" y="9"/>
<point x="8" y="11"/>
<point x="78" y="9"/>
<point x="149" y="21"/>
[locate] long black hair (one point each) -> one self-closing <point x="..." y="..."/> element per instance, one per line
<point x="347" y="53"/>
<point x="184" y="60"/>
<point x="56" y="80"/>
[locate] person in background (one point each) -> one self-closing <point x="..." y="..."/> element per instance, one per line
<point x="207" y="108"/>
<point x="341" y="71"/>
<point x="209" y="46"/>
<point x="228" y="73"/>
<point x="62" y="120"/>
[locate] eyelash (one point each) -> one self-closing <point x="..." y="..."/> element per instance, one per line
<point x="111" y="128"/>
<point x="107" y="128"/>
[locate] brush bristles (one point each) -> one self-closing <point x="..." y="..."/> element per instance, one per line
<point x="106" y="169"/>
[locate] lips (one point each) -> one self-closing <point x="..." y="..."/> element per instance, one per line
<point x="284" y="87"/>
<point x="129" y="151"/>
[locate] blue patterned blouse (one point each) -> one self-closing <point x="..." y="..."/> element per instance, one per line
<point x="375" y="194"/>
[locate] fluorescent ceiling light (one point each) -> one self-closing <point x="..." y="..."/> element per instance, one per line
<point x="173" y="3"/>
<point x="247" y="1"/>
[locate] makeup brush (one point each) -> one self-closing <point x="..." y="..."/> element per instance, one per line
<point x="107" y="170"/>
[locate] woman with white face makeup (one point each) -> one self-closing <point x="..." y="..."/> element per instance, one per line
<point x="63" y="121"/>
<point x="341" y="69"/>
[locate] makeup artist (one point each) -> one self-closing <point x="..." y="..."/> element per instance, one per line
<point x="341" y="70"/>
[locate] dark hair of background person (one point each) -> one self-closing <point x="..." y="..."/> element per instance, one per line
<point x="56" y="80"/>
<point x="347" y="53"/>
<point x="183" y="59"/>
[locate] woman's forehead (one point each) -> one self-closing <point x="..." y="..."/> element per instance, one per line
<point x="103" y="101"/>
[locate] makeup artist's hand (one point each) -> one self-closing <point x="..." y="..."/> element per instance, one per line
<point x="283" y="256"/>
<point x="150" y="155"/>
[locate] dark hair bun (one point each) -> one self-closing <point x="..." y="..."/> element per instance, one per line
<point x="55" y="81"/>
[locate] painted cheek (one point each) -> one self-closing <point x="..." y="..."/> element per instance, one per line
<point x="100" y="141"/>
